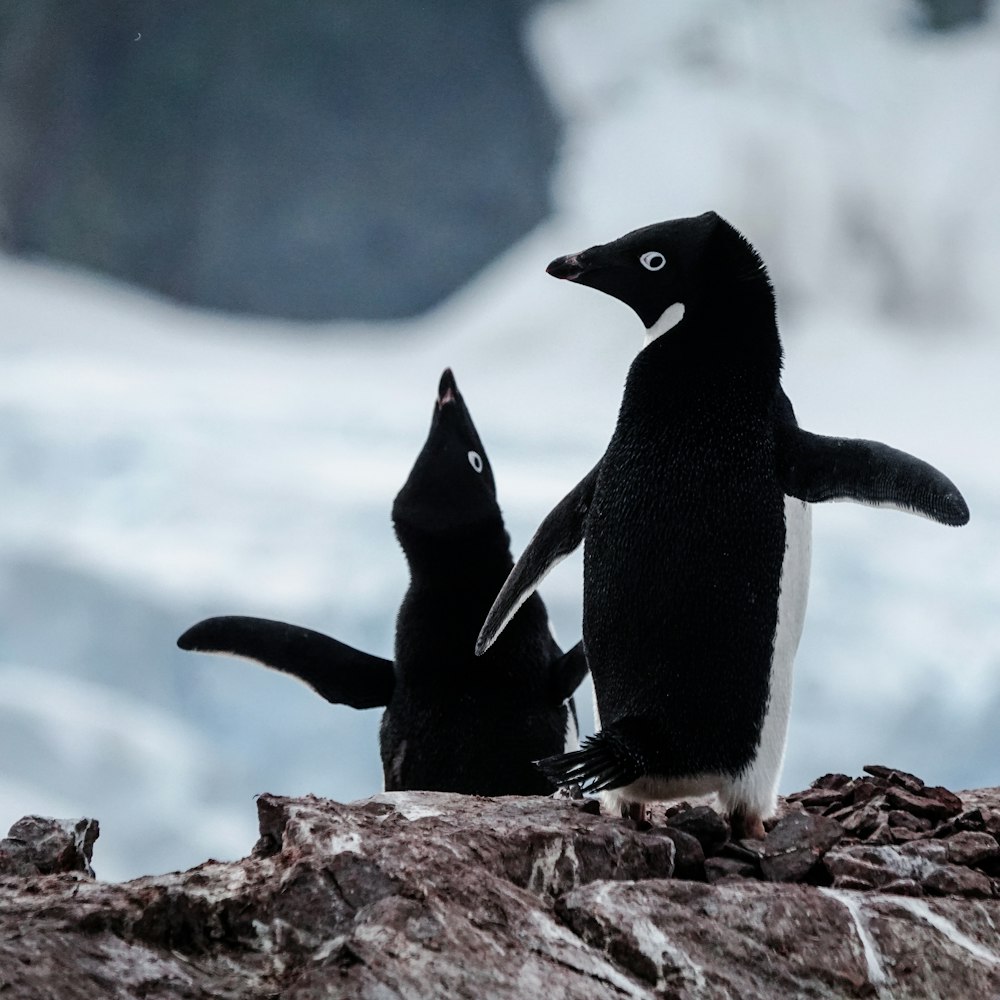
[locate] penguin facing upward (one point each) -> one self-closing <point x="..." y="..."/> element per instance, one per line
<point x="449" y="725"/>
<point x="696" y="529"/>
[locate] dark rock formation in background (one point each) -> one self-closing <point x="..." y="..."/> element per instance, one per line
<point x="434" y="895"/>
<point x="296" y="159"/>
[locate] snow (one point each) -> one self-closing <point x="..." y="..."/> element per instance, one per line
<point x="160" y="464"/>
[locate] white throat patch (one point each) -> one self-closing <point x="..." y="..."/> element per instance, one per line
<point x="670" y="317"/>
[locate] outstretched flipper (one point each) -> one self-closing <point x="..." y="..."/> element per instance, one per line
<point x="606" y="760"/>
<point x="557" y="536"/>
<point x="340" y="673"/>
<point x="568" y="673"/>
<point x="815" y="468"/>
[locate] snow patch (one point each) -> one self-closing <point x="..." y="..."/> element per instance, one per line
<point x="873" y="955"/>
<point x="947" y="928"/>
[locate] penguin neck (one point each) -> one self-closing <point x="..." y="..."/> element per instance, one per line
<point x="669" y="318"/>
<point x="479" y="558"/>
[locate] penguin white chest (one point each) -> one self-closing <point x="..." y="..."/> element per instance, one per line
<point x="756" y="788"/>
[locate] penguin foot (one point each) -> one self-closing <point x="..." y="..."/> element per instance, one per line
<point x="746" y="827"/>
<point x="641" y="812"/>
<point x="606" y="760"/>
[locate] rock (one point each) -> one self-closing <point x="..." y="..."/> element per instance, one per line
<point x="895" y="777"/>
<point x="818" y="798"/>
<point x="407" y="896"/>
<point x="793" y="847"/>
<point x="874" y="867"/>
<point x="689" y="857"/>
<point x="719" y="868"/>
<point x="831" y="781"/>
<point x="928" y="850"/>
<point x="903" y="887"/>
<point x="37" y="845"/>
<point x="951" y="880"/>
<point x="863" y="821"/>
<point x="898" y="819"/>
<point x="971" y="848"/>
<point x="705" y="825"/>
<point x="939" y="805"/>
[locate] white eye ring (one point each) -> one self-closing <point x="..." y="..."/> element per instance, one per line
<point x="476" y="460"/>
<point x="652" y="260"/>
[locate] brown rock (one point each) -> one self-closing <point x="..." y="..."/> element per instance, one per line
<point x="689" y="858"/>
<point x="932" y="851"/>
<point x="951" y="880"/>
<point x="817" y="799"/>
<point x="875" y="866"/>
<point x="903" y="887"/>
<point x="971" y="848"/>
<point x="414" y="896"/>
<point x="897" y="819"/>
<point x="862" y="790"/>
<point x="705" y="825"/>
<point x="831" y="781"/>
<point x="725" y="868"/>
<point x="901" y="835"/>
<point x="793" y="847"/>
<point x="893" y="776"/>
<point x="939" y="805"/>
<point x="861" y="822"/>
<point x="38" y="845"/>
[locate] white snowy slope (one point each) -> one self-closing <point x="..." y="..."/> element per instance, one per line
<point x="160" y="464"/>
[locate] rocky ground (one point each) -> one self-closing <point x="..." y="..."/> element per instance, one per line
<point x="869" y="886"/>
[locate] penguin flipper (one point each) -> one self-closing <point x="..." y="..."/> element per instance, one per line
<point x="606" y="760"/>
<point x="339" y="673"/>
<point x="815" y="468"/>
<point x="557" y="536"/>
<point x="568" y="673"/>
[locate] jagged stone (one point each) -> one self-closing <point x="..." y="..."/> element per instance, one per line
<point x="39" y="845"/>
<point x="898" y="819"/>
<point x="971" y="848"/>
<point x="429" y="895"/>
<point x="952" y="880"/>
<point x="795" y="845"/>
<point x="935" y="803"/>
<point x="861" y="822"/>
<point x="903" y="887"/>
<point x="719" y="868"/>
<point x="831" y="781"/>
<point x="689" y="857"/>
<point x="703" y="823"/>
<point x="817" y="798"/>
<point x="893" y="776"/>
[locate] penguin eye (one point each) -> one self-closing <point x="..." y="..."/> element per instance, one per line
<point x="476" y="460"/>
<point x="652" y="260"/>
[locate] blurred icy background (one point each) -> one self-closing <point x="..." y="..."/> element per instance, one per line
<point x="160" y="463"/>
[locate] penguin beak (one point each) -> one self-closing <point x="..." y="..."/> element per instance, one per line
<point x="447" y="389"/>
<point x="569" y="267"/>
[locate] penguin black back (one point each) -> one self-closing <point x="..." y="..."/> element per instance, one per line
<point x="451" y="722"/>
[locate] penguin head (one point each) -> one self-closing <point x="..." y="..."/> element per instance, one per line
<point x="669" y="270"/>
<point x="450" y="489"/>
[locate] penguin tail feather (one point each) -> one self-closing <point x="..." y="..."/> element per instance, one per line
<point x="606" y="760"/>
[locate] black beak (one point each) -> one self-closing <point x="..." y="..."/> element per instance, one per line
<point x="568" y="267"/>
<point x="447" y="388"/>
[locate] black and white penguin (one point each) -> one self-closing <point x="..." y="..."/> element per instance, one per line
<point x="449" y="725"/>
<point x="697" y="530"/>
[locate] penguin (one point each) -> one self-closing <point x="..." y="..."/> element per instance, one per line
<point x="696" y="529"/>
<point x="448" y="725"/>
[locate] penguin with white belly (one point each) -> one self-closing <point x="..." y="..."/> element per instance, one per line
<point x="696" y="529"/>
<point x="449" y="725"/>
